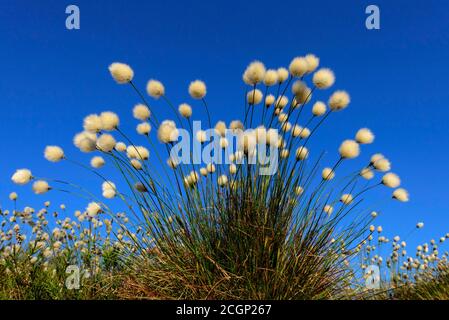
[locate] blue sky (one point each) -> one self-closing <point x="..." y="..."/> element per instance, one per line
<point x="397" y="78"/>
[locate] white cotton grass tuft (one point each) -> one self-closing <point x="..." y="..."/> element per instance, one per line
<point x="167" y="132"/>
<point x="121" y="72"/>
<point x="236" y="125"/>
<point x="222" y="180"/>
<point x="22" y="176"/>
<point x="109" y="189"/>
<point x="312" y="62"/>
<point x="269" y="100"/>
<point x="85" y="141"/>
<point x="185" y="110"/>
<point x="92" y="123"/>
<point x="319" y="108"/>
<point x="201" y="136"/>
<point x="364" y="136"/>
<point x="328" y="209"/>
<point x="136" y="164"/>
<point x="281" y="102"/>
<point x="298" y="67"/>
<point x="367" y="173"/>
<point x="302" y="153"/>
<point x="120" y="146"/>
<point x="53" y="153"/>
<point x="254" y="96"/>
<point x="401" y="194"/>
<point x="106" y="142"/>
<point x="173" y="162"/>
<point x="143" y="128"/>
<point x="109" y="120"/>
<point x="339" y="100"/>
<point x="299" y="190"/>
<point x="232" y="168"/>
<point x="323" y="78"/>
<point x="420" y="225"/>
<point x="391" y="180"/>
<point x="382" y="165"/>
<point x="13" y="196"/>
<point x="254" y="73"/>
<point x="97" y="162"/>
<point x="282" y="74"/>
<point x="302" y="93"/>
<point x="40" y="187"/>
<point x="141" y="112"/>
<point x="93" y="209"/>
<point x="155" y="89"/>
<point x="327" y="174"/>
<point x="349" y="149"/>
<point x="270" y="78"/>
<point x="197" y="89"/>
<point x="346" y="198"/>
<point x="137" y="152"/>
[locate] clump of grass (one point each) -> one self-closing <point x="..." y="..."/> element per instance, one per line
<point x="216" y="229"/>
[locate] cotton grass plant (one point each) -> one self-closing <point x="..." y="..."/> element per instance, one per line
<point x="219" y="229"/>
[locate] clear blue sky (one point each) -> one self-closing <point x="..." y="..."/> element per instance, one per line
<point x="397" y="76"/>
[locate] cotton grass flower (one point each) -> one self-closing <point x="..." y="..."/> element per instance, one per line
<point x="136" y="164"/>
<point x="339" y="100"/>
<point x="106" y="142"/>
<point x="201" y="136"/>
<point x="85" y="141"/>
<point x="282" y="74"/>
<point x="254" y="96"/>
<point x="298" y="67"/>
<point x="197" y="89"/>
<point x="97" y="162"/>
<point x="254" y="73"/>
<point x="167" y="132"/>
<point x="364" y="136"/>
<point x="232" y="168"/>
<point x="367" y="173"/>
<point x="141" y="112"/>
<point x="109" y="120"/>
<point x="271" y="78"/>
<point x="143" y="128"/>
<point x="269" y="100"/>
<point x="323" y="78"/>
<point x="121" y="72"/>
<point x="155" y="89"/>
<point x="109" y="189"/>
<point x="312" y="62"/>
<point x="401" y="194"/>
<point x="220" y="128"/>
<point x="236" y="125"/>
<point x="319" y="108"/>
<point x="185" y="110"/>
<point x="302" y="93"/>
<point x="222" y="180"/>
<point x="93" y="209"/>
<point x="328" y="209"/>
<point x="92" y="123"/>
<point x="302" y="153"/>
<point x="420" y="225"/>
<point x="299" y="190"/>
<point x="53" y="153"/>
<point x="22" y="176"/>
<point x="13" y="196"/>
<point x="349" y="149"/>
<point x="281" y="102"/>
<point x="40" y="187"/>
<point x="346" y="198"/>
<point x="391" y="180"/>
<point x="327" y="174"/>
<point x="120" y="146"/>
<point x="382" y="165"/>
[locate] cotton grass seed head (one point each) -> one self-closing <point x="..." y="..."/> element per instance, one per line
<point x="302" y="153"/>
<point x="367" y="173"/>
<point x="222" y="180"/>
<point x="167" y="132"/>
<point x="420" y="225"/>
<point x="323" y="78"/>
<point x="120" y="146"/>
<point x="109" y="189"/>
<point x="319" y="108"/>
<point x="85" y="141"/>
<point x="349" y="149"/>
<point x="254" y="96"/>
<point x="143" y="128"/>
<point x="269" y="100"/>
<point x="328" y="209"/>
<point x="312" y="62"/>
<point x="339" y="100"/>
<point x="109" y="120"/>
<point x="254" y="73"/>
<point x="155" y="88"/>
<point x="141" y="112"/>
<point x="364" y="136"/>
<point x="92" y="123"/>
<point x="346" y="198"/>
<point x="299" y="190"/>
<point x="97" y="162"/>
<point x="401" y="194"/>
<point x="40" y="187"/>
<point x="327" y="174"/>
<point x="93" y="209"/>
<point x="282" y="74"/>
<point x="298" y="67"/>
<point x="121" y="72"/>
<point x="22" y="176"/>
<point x="271" y="78"/>
<point x="281" y="102"/>
<point x="53" y="153"/>
<point x="220" y="128"/>
<point x="197" y="89"/>
<point x="391" y="180"/>
<point x="382" y="165"/>
<point x="106" y="142"/>
<point x="13" y="196"/>
<point x="185" y="110"/>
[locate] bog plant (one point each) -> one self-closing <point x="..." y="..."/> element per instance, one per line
<point x="219" y="229"/>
